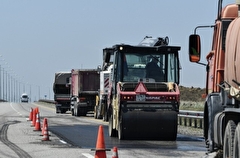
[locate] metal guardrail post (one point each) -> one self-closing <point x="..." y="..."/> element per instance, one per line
<point x="191" y="118"/>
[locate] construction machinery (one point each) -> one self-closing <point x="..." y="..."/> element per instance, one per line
<point x="143" y="97"/>
<point x="222" y="105"/>
<point x="84" y="89"/>
<point x="61" y="89"/>
<point x="104" y="70"/>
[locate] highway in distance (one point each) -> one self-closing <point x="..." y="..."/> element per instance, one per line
<point x="75" y="137"/>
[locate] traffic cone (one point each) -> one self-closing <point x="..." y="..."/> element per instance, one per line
<point x="37" y="124"/>
<point x="30" y="115"/>
<point x="45" y="133"/>
<point x="100" y="145"/>
<point x="34" y="117"/>
<point x="115" y="152"/>
<point x="43" y="125"/>
<point x="37" y="110"/>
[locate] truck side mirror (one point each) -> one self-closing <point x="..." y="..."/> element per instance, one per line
<point x="99" y="69"/>
<point x="194" y="48"/>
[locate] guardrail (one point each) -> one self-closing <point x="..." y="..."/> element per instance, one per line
<point x="185" y="118"/>
<point x="190" y="118"/>
<point x="47" y="101"/>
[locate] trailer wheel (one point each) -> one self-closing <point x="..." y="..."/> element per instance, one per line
<point x="228" y="139"/>
<point x="236" y="143"/>
<point x="111" y="131"/>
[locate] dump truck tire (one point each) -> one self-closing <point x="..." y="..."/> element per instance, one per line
<point x="229" y="139"/>
<point x="236" y="144"/>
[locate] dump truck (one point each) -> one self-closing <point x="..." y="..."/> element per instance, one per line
<point x="61" y="89"/>
<point x="222" y="104"/>
<point x="84" y="89"/>
<point x="100" y="111"/>
<point x="143" y="100"/>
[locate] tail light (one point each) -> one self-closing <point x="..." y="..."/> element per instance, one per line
<point x="82" y="99"/>
<point x="171" y="98"/>
<point x="127" y="97"/>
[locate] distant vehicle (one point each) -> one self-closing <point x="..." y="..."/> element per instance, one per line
<point x="61" y="89"/>
<point x="84" y="89"/>
<point x="24" y="97"/>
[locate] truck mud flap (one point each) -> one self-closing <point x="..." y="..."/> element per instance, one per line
<point x="151" y="125"/>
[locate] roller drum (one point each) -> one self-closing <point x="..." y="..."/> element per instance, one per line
<point x="157" y="124"/>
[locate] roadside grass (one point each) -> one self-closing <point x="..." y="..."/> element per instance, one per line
<point x="192" y="106"/>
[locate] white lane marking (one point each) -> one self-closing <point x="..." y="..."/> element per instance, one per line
<point x="62" y="141"/>
<point x="87" y="155"/>
<point x="15" y="109"/>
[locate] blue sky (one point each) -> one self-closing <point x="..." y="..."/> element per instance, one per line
<point x="39" y="38"/>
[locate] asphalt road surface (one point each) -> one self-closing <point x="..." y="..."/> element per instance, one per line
<point x="75" y="137"/>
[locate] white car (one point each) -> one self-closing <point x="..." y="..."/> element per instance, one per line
<point x="24" y="97"/>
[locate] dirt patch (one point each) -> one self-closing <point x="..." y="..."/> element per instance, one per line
<point x="192" y="94"/>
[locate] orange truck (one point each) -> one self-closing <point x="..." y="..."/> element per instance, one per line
<point x="222" y="105"/>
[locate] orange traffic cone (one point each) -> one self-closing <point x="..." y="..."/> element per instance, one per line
<point x="115" y="152"/>
<point x="30" y="115"/>
<point x="37" y="124"/>
<point x="43" y="125"/>
<point x="100" y="145"/>
<point x="45" y="133"/>
<point x="37" y="110"/>
<point x="34" y="117"/>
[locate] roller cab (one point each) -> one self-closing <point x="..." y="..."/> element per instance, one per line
<point x="143" y="99"/>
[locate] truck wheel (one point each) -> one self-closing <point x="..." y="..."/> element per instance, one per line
<point x="74" y="111"/>
<point x="236" y="144"/>
<point x="111" y="131"/>
<point x="77" y="111"/>
<point x="120" y="129"/>
<point x="105" y="113"/>
<point x="95" y="112"/>
<point x="228" y="139"/>
<point x="58" y="110"/>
